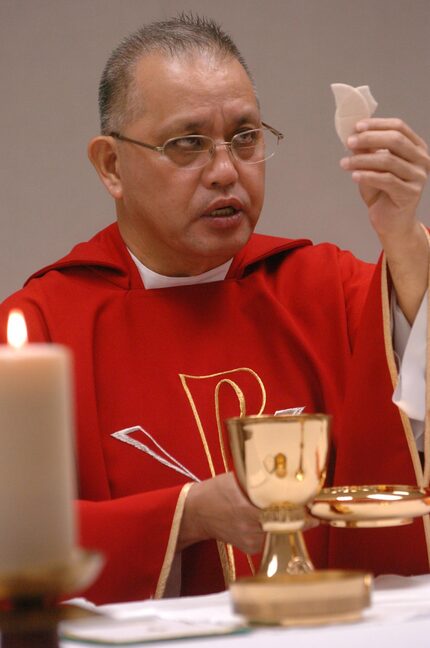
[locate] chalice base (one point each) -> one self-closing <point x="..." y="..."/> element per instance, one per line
<point x="315" y="598"/>
<point x="285" y="553"/>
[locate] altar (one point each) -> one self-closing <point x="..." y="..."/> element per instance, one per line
<point x="399" y="616"/>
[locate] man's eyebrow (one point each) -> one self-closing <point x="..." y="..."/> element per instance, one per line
<point x="189" y="126"/>
<point x="194" y="125"/>
<point x="245" y="119"/>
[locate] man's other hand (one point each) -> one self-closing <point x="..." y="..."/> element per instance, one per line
<point x="217" y="509"/>
<point x="390" y="163"/>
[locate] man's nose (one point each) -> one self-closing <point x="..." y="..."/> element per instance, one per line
<point x="221" y="169"/>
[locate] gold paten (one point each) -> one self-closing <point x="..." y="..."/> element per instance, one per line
<point x="316" y="598"/>
<point x="372" y="506"/>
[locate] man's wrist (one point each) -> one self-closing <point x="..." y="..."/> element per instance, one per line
<point x="191" y="530"/>
<point x="408" y="262"/>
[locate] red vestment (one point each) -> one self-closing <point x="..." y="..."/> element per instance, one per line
<point x="292" y="325"/>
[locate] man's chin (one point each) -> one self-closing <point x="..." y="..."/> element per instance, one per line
<point x="228" y="242"/>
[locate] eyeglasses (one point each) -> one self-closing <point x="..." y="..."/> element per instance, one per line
<point x="194" y="151"/>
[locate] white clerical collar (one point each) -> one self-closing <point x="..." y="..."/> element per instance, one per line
<point x="152" y="279"/>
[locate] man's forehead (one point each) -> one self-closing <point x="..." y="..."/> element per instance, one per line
<point x="204" y="72"/>
<point x="183" y="93"/>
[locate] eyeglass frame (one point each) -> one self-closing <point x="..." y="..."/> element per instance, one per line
<point x="211" y="151"/>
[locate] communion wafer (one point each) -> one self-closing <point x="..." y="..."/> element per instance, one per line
<point x="352" y="105"/>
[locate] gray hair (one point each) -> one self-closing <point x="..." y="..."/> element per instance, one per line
<point x="172" y="37"/>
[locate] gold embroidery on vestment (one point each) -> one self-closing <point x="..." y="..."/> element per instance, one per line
<point x="427" y="395"/>
<point x="391" y="362"/>
<point x="389" y="352"/>
<point x="171" y="543"/>
<point x="225" y="550"/>
<point x="242" y="406"/>
<point x="242" y="403"/>
<point x="426" y="519"/>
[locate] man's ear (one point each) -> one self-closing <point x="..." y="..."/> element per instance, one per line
<point x="103" y="155"/>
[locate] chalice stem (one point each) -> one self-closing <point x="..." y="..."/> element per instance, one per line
<point x="285" y="553"/>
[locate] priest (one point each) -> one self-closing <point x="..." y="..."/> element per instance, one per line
<point x="179" y="316"/>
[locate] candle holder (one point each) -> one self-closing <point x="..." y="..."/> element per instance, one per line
<point x="31" y="611"/>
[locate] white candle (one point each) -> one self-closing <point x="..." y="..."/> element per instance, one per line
<point x="37" y="477"/>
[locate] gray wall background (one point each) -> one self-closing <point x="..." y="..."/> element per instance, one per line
<point x="51" y="56"/>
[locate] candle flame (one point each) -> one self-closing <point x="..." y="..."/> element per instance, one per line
<point x="16" y="329"/>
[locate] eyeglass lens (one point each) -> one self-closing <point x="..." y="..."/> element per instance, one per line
<point x="250" y="147"/>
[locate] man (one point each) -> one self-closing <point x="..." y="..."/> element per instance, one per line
<point x="179" y="317"/>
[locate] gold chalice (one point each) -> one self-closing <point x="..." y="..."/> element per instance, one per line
<point x="280" y="464"/>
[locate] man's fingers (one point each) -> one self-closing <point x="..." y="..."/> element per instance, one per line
<point x="384" y="161"/>
<point x="400" y="192"/>
<point x="221" y="511"/>
<point x="394" y="141"/>
<point x="391" y="124"/>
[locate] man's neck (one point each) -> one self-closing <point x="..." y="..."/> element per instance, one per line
<point x="152" y="279"/>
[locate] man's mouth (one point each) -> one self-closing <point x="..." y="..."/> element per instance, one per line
<point x="223" y="211"/>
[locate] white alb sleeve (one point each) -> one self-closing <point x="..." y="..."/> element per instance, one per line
<point x="410" y="349"/>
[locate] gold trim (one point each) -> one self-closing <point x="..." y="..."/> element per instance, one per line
<point x="183" y="379"/>
<point x="389" y="352"/>
<point x="426" y="524"/>
<point x="228" y="563"/>
<point x="242" y="405"/>
<point x="171" y="544"/>
<point x="225" y="551"/>
<point x="391" y="362"/>
<point x="231" y="562"/>
<point x="427" y="374"/>
<point x="251" y="564"/>
<point x="426" y="519"/>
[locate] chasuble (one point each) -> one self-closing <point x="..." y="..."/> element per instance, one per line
<point x="158" y="371"/>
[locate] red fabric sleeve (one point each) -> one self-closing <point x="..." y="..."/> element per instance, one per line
<point x="356" y="276"/>
<point x="132" y="534"/>
<point x="373" y="449"/>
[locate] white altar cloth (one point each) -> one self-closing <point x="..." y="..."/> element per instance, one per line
<point x="399" y="617"/>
